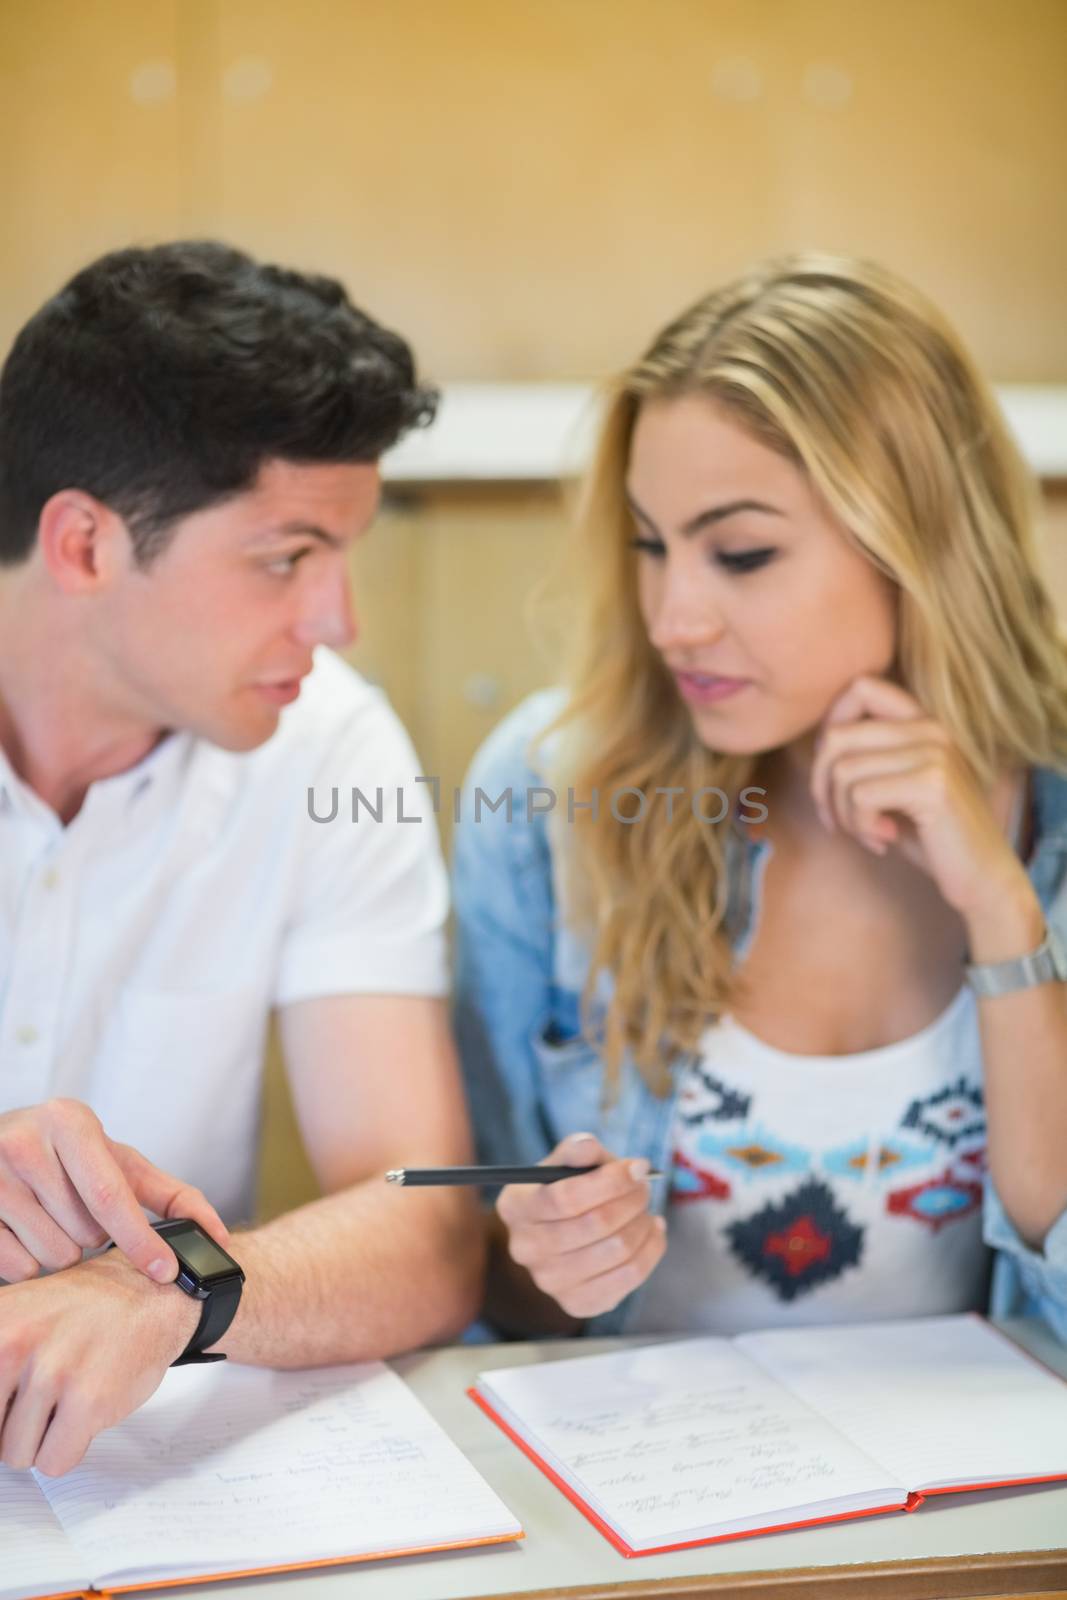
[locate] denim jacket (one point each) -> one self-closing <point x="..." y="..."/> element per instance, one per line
<point x="531" y="1076"/>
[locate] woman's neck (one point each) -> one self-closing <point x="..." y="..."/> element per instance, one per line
<point x="785" y="774"/>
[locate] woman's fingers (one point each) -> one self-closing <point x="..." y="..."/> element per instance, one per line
<point x="560" y="1272"/>
<point x="602" y="1293"/>
<point x="870" y="696"/>
<point x="578" y="1233"/>
<point x="521" y="1205"/>
<point x="586" y="1240"/>
<point x="539" y="1201"/>
<point x="854" y="769"/>
<point x="869" y="739"/>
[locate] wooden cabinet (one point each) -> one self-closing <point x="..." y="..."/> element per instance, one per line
<point x="527" y="191"/>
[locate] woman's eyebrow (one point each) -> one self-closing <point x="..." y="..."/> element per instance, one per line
<point x="707" y="519"/>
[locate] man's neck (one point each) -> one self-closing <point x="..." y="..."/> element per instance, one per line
<point x="61" y="776"/>
<point x="56" y="728"/>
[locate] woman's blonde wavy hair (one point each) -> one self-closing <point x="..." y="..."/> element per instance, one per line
<point x="851" y="374"/>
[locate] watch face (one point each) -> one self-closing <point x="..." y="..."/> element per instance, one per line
<point x="195" y="1250"/>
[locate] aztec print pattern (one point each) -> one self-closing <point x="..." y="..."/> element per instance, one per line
<point x="925" y="1172"/>
<point x="801" y="1242"/>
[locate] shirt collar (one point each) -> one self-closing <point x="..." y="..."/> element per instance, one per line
<point x="16" y="796"/>
<point x="156" y="773"/>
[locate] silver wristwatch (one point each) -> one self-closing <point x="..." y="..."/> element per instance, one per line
<point x="1046" y="964"/>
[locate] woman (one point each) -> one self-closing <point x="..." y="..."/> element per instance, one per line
<point x="809" y="586"/>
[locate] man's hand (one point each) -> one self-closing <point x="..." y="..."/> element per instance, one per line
<point x="78" y="1352"/>
<point x="587" y="1241"/>
<point x="65" y="1186"/>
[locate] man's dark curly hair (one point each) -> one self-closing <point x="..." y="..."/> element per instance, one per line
<point x="159" y="380"/>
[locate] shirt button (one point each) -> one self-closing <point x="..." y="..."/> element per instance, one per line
<point x="50" y="878"/>
<point x="27" y="1035"/>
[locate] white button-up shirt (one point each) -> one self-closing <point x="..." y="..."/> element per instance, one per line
<point x="143" y="946"/>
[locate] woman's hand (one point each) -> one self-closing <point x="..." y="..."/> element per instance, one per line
<point x="891" y="775"/>
<point x="587" y="1241"/>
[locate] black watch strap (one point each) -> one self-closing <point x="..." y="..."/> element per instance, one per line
<point x="218" y="1311"/>
<point x="218" y="1307"/>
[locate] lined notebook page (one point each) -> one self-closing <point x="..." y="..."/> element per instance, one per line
<point x="939" y="1400"/>
<point x="36" y="1557"/>
<point x="227" y="1468"/>
<point x="671" y="1439"/>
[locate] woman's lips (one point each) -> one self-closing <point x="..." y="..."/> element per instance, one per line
<point x="700" y="688"/>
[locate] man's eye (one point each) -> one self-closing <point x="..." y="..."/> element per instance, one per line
<point x="651" y="547"/>
<point x="282" y="566"/>
<point x="744" y="560"/>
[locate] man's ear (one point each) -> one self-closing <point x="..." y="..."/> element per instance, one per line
<point x="83" y="544"/>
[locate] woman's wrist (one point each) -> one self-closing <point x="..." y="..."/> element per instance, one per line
<point x="1011" y="926"/>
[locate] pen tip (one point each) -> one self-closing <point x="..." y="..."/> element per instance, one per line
<point x="395" y="1175"/>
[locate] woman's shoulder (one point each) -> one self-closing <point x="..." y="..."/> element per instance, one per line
<point x="514" y="755"/>
<point x="502" y="858"/>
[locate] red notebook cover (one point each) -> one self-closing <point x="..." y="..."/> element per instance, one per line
<point x="913" y="1502"/>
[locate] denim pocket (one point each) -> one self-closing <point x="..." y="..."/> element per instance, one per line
<point x="568" y="1067"/>
<point x="572" y="1082"/>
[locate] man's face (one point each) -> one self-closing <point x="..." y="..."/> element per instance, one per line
<point x="217" y="633"/>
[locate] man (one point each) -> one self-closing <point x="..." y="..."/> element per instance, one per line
<point x="188" y="450"/>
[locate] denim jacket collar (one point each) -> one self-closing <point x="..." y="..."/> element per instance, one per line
<point x="1050" y="808"/>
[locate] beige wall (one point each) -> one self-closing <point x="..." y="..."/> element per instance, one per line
<point x="527" y="188"/>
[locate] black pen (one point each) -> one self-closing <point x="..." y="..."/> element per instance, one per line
<point x="485" y="1177"/>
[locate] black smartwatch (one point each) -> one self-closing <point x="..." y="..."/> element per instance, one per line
<point x="206" y="1273"/>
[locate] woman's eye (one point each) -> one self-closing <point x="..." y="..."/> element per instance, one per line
<point x="744" y="560"/>
<point x="651" y="547"/>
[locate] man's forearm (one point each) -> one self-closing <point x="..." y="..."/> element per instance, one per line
<point x="364" y="1273"/>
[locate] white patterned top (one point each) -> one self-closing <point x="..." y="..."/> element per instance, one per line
<point x="825" y="1188"/>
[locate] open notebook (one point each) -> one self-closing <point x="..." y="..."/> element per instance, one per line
<point x="230" y="1470"/>
<point x="690" y="1442"/>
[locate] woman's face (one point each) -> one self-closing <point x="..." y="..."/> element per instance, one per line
<point x="750" y="590"/>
